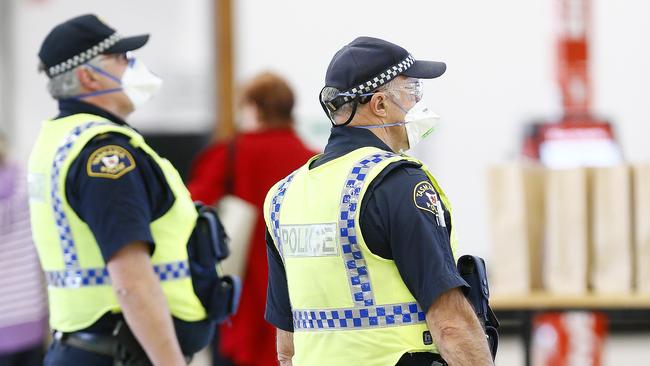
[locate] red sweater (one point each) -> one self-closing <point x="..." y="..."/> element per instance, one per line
<point x="261" y="160"/>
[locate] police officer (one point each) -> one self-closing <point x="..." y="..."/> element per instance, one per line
<point x="361" y="238"/>
<point x="111" y="218"/>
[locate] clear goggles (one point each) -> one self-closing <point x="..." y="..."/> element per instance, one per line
<point x="123" y="56"/>
<point x="412" y="87"/>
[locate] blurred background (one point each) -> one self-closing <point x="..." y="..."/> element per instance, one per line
<point x="502" y="75"/>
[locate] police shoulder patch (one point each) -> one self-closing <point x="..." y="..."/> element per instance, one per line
<point x="426" y="198"/>
<point x="110" y="161"/>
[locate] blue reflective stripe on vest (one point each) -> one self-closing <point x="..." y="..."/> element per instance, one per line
<point x="75" y="278"/>
<point x="355" y="264"/>
<point x="276" y="204"/>
<point x="358" y="317"/>
<point x="68" y="248"/>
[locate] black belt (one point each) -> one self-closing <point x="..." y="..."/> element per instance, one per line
<point x="96" y="343"/>
<point x="102" y="344"/>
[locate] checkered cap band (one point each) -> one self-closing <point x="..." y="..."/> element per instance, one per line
<point x="75" y="278"/>
<point x="276" y="205"/>
<point x="355" y="264"/>
<point x="380" y="316"/>
<point x="70" y="258"/>
<point x="85" y="56"/>
<point x="371" y="84"/>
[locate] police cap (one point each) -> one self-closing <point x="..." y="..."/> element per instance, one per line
<point x="367" y="63"/>
<point x="78" y="40"/>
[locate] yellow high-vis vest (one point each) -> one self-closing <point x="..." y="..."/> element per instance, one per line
<point x="350" y="306"/>
<point x="79" y="287"/>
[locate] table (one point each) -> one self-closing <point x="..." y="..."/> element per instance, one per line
<point x="625" y="312"/>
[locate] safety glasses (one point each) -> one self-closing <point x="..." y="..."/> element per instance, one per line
<point x="120" y="57"/>
<point x="412" y="87"/>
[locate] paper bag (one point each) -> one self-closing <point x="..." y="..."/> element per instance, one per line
<point x="611" y="239"/>
<point x="566" y="231"/>
<point x="515" y="214"/>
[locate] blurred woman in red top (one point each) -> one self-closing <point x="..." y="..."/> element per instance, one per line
<point x="266" y="150"/>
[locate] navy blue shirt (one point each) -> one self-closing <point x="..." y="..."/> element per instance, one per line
<point x="117" y="207"/>
<point x="401" y="217"/>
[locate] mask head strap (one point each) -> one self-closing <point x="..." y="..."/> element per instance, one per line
<point x="105" y="73"/>
<point x="370" y="127"/>
<point x="92" y="94"/>
<point x="98" y="92"/>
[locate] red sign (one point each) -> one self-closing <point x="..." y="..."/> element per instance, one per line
<point x="568" y="339"/>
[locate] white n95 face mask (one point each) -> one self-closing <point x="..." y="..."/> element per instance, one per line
<point x="420" y="122"/>
<point x="138" y="83"/>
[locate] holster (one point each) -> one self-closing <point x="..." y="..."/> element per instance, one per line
<point x="128" y="351"/>
<point x="473" y="271"/>
<point x="208" y="246"/>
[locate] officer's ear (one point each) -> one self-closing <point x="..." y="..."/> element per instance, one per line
<point x="379" y="104"/>
<point x="88" y="79"/>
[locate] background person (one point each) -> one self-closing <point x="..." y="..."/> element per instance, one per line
<point x="23" y="318"/>
<point x="265" y="150"/>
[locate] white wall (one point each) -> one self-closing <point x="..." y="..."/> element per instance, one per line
<point x="500" y="57"/>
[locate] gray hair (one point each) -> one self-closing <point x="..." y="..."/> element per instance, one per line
<point x="66" y="85"/>
<point x="343" y="113"/>
<point x="340" y="115"/>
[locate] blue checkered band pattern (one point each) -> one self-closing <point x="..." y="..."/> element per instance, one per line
<point x="276" y="204"/>
<point x="355" y="264"/>
<point x="379" y="80"/>
<point x="75" y="278"/>
<point x="356" y="318"/>
<point x="63" y="225"/>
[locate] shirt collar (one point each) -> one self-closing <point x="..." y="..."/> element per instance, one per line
<point x="346" y="139"/>
<point x="70" y="107"/>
